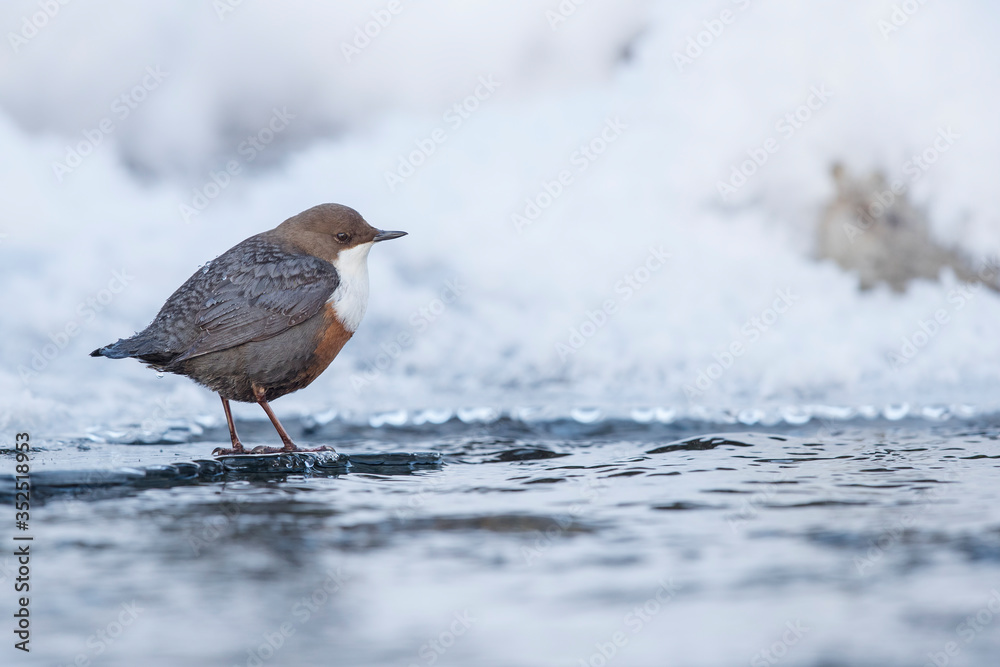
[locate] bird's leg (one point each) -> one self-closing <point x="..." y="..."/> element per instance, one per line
<point x="237" y="445"/>
<point x="289" y="446"/>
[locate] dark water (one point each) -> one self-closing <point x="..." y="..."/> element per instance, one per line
<point x="865" y="543"/>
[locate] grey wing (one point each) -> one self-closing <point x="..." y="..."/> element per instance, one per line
<point x="265" y="294"/>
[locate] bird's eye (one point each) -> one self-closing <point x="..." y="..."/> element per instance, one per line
<point x="343" y="238"/>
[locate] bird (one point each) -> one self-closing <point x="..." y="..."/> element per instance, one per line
<point x="266" y="317"/>
<point x="873" y="229"/>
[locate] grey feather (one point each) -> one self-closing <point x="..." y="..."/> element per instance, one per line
<point x="253" y="292"/>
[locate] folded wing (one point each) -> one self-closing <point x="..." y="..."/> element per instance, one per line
<point x="266" y="292"/>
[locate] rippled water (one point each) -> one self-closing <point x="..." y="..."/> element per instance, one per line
<point x="544" y="543"/>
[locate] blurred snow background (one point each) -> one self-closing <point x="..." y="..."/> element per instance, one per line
<point x="164" y="99"/>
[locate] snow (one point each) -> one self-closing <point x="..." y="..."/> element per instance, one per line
<point x="237" y="122"/>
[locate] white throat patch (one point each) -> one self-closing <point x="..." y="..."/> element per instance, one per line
<point x="350" y="299"/>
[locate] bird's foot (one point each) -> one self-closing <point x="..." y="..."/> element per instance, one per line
<point x="237" y="449"/>
<point x="261" y="449"/>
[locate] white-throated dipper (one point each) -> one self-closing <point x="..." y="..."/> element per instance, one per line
<point x="266" y="317"/>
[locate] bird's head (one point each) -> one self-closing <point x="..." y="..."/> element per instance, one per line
<point x="332" y="232"/>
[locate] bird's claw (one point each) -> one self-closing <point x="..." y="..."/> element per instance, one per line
<point x="261" y="449"/>
<point x="220" y="451"/>
<point x="292" y="450"/>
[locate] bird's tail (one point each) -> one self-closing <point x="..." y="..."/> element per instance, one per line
<point x="137" y="347"/>
<point x="117" y="350"/>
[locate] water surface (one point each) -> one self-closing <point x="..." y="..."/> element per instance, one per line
<point x="549" y="543"/>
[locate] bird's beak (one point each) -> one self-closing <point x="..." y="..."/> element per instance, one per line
<point x="385" y="236"/>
